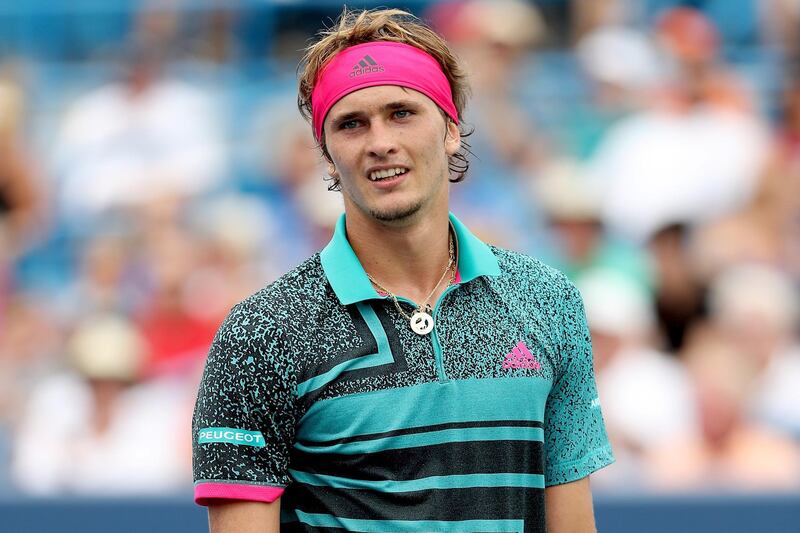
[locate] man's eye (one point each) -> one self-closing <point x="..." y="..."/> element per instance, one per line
<point x="402" y="113"/>
<point x="348" y="124"/>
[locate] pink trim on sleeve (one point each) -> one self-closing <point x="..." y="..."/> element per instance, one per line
<point x="206" y="493"/>
<point x="458" y="277"/>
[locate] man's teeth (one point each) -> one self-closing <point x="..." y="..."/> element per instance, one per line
<point x="388" y="173"/>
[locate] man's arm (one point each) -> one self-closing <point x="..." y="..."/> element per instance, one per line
<point x="244" y="517"/>
<point x="569" y="508"/>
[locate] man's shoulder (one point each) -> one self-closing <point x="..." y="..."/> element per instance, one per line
<point x="517" y="267"/>
<point x="305" y="280"/>
<point x="293" y="294"/>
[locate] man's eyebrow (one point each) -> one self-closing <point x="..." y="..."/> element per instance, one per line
<point x="400" y="104"/>
<point x="346" y="116"/>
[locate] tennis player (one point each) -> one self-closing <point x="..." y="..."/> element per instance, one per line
<point x="409" y="377"/>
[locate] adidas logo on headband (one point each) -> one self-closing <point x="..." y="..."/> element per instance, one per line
<point x="367" y="65"/>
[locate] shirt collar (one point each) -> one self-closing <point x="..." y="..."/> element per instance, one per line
<point x="351" y="284"/>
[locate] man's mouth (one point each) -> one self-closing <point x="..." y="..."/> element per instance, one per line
<point x="379" y="175"/>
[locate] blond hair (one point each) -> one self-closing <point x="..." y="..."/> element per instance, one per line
<point x="395" y="25"/>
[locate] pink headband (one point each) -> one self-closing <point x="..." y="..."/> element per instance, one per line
<point x="379" y="63"/>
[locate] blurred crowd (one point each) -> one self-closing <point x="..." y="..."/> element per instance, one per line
<point x="650" y="150"/>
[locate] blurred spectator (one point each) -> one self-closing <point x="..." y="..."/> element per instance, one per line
<point x="788" y="127"/>
<point x="694" y="158"/>
<point x="21" y="214"/>
<point x="20" y="195"/>
<point x="623" y="68"/>
<point x="733" y="453"/>
<point x="768" y="230"/>
<point x="130" y="142"/>
<point x="590" y="15"/>
<point x="105" y="281"/>
<point x="646" y="395"/>
<point x="756" y="309"/>
<point x="579" y="243"/>
<point x="238" y="234"/>
<point x="692" y="42"/>
<point x="680" y="292"/>
<point x="745" y="364"/>
<point x="157" y="24"/>
<point x="623" y="61"/>
<point x="660" y="167"/>
<point x="30" y="342"/>
<point x="107" y="432"/>
<point x="29" y="347"/>
<point x="177" y="334"/>
<point x="780" y="21"/>
<point x="205" y="35"/>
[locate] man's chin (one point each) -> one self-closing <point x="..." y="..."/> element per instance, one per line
<point x="396" y="213"/>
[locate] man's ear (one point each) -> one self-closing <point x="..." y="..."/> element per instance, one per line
<point x="331" y="167"/>
<point x="452" y="138"/>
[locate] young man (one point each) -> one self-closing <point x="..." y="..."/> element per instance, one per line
<point x="409" y="377"/>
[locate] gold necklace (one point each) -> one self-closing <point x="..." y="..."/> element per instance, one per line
<point x="421" y="322"/>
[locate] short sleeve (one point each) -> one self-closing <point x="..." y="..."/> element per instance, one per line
<point x="243" y="423"/>
<point x="576" y="443"/>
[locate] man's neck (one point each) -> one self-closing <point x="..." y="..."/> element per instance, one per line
<point x="407" y="260"/>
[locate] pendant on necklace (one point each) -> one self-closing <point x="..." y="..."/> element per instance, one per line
<point x="421" y="323"/>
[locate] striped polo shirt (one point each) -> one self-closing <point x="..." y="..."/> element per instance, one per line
<point x="317" y="391"/>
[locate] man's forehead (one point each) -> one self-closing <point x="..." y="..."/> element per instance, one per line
<point x="374" y="99"/>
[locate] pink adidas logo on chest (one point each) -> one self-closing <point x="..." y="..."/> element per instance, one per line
<point x="521" y="357"/>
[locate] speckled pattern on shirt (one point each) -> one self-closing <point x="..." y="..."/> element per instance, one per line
<point x="371" y="443"/>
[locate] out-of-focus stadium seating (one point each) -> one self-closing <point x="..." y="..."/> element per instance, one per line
<point x="154" y="171"/>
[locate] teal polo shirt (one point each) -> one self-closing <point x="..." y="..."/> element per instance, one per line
<point x="317" y="391"/>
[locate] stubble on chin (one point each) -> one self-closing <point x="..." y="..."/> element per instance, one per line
<point x="396" y="214"/>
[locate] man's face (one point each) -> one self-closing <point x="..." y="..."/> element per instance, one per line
<point x="389" y="147"/>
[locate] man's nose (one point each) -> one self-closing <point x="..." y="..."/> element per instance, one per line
<point x="382" y="140"/>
